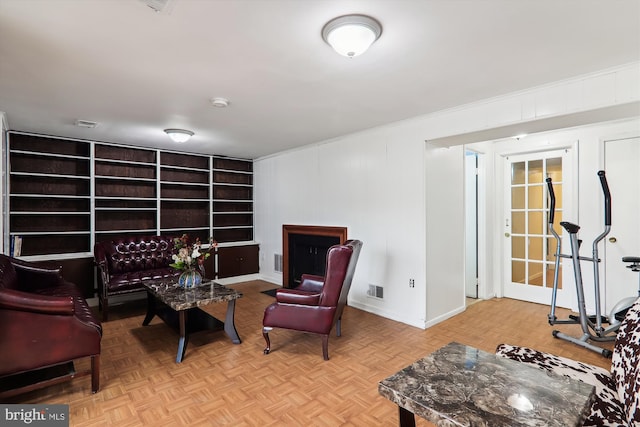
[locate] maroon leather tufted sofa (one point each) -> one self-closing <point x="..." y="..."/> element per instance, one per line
<point x="125" y="263"/>
<point x="45" y="322"/>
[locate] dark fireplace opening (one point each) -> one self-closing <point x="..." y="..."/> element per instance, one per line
<point x="304" y="250"/>
<point x="308" y="255"/>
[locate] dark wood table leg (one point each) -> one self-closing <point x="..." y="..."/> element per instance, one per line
<point x="229" y="324"/>
<point x="407" y="419"/>
<point x="151" y="309"/>
<point x="184" y="337"/>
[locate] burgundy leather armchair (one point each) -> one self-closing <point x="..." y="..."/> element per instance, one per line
<point x="46" y="323"/>
<point x="317" y="304"/>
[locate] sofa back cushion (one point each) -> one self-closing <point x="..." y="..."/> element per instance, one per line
<point x="8" y="275"/>
<point x="138" y="253"/>
<point x="625" y="364"/>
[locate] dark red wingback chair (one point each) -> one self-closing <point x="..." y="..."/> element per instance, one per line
<point x="317" y="304"/>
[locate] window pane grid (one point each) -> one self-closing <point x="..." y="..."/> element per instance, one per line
<point x="533" y="247"/>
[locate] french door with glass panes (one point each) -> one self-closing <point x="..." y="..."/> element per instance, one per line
<point x="529" y="246"/>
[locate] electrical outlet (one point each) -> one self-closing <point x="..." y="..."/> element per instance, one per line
<point x="412" y="283"/>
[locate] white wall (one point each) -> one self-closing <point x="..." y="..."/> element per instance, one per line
<point x="404" y="198"/>
<point x="374" y="186"/>
<point x="445" y="233"/>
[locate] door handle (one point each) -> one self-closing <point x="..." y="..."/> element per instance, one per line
<point x="507" y="235"/>
<point x="613" y="239"/>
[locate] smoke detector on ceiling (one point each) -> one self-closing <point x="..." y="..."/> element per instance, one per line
<point x="220" y="102"/>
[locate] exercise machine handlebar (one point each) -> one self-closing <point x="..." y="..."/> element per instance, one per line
<point x="607" y="197"/>
<point x="552" y="202"/>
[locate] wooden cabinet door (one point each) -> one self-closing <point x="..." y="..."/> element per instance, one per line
<point x="237" y="260"/>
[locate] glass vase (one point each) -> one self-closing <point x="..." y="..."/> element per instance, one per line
<point x="190" y="278"/>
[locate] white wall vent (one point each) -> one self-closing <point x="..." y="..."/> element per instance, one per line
<point x="375" y="291"/>
<point x="277" y="262"/>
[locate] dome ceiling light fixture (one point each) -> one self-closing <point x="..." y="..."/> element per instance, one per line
<point x="351" y="35"/>
<point x="179" y="135"/>
<point x="220" y="102"/>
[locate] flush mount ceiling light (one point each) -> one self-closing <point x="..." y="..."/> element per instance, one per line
<point x="179" y="135"/>
<point x="351" y="35"/>
<point x="220" y="102"/>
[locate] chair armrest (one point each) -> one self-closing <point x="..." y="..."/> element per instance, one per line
<point x="24" y="301"/>
<point x="311" y="283"/>
<point x="32" y="276"/>
<point x="293" y="296"/>
<point x="103" y="271"/>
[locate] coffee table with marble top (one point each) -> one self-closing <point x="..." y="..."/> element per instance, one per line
<point x="180" y="308"/>
<point x="459" y="385"/>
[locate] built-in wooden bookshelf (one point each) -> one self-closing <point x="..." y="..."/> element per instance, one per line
<point x="232" y="214"/>
<point x="66" y="194"/>
<point x="185" y="195"/>
<point x="50" y="196"/>
<point x="125" y="191"/>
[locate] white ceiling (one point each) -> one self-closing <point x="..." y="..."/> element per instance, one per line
<point x="137" y="72"/>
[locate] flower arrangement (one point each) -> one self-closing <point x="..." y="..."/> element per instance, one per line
<point x="190" y="255"/>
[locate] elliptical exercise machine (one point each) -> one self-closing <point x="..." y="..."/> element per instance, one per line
<point x="592" y="326"/>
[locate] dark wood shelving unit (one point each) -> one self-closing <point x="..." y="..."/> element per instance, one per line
<point x="185" y="195"/>
<point x="66" y="194"/>
<point x="49" y="196"/>
<point x="125" y="191"/>
<point x="232" y="215"/>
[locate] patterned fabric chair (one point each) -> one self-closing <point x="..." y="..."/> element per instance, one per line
<point x="617" y="400"/>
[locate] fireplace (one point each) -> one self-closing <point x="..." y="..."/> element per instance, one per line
<point x="304" y="250"/>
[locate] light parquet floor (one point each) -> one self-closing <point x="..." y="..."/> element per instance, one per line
<point x="223" y="384"/>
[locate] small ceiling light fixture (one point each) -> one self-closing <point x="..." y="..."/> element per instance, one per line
<point x="351" y="35"/>
<point x="179" y="135"/>
<point x="220" y="102"/>
<point x="86" y="124"/>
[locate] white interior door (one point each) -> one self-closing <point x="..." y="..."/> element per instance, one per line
<point x="622" y="167"/>
<point x="529" y="247"/>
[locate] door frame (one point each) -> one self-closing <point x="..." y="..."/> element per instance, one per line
<point x="483" y="248"/>
<point x="472" y="223"/>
